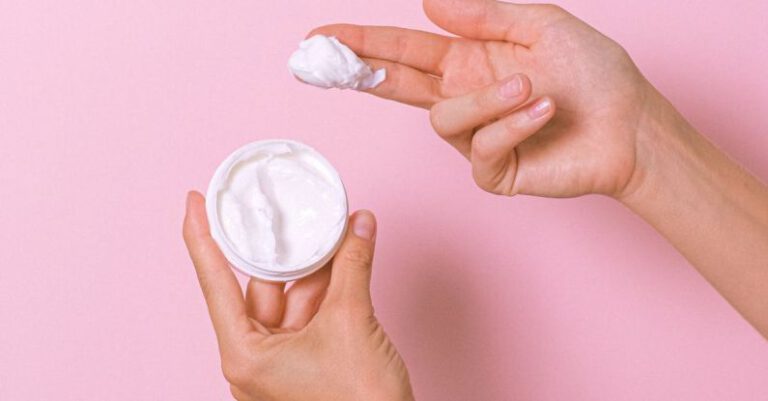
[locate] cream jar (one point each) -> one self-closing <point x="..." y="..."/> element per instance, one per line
<point x="277" y="209"/>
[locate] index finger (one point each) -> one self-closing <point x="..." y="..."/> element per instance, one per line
<point x="406" y="85"/>
<point x="421" y="50"/>
<point x="221" y="289"/>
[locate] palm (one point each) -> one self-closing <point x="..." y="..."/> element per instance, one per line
<point x="294" y="352"/>
<point x="587" y="148"/>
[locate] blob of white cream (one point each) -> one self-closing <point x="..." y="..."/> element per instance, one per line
<point x="325" y="62"/>
<point x="281" y="206"/>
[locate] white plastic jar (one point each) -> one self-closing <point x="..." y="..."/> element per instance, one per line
<point x="277" y="209"/>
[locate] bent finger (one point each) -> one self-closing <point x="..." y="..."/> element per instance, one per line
<point x="493" y="156"/>
<point x="303" y="299"/>
<point x="265" y="301"/>
<point x="459" y="114"/>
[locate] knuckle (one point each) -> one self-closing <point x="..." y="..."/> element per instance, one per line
<point x="552" y="9"/>
<point x="209" y="283"/>
<point x="482" y="181"/>
<point x="511" y="123"/>
<point x="486" y="99"/>
<point x="481" y="148"/>
<point x="358" y="257"/>
<point x="402" y="44"/>
<point x="206" y="287"/>
<point x="617" y="51"/>
<point x="396" y="84"/>
<point x="436" y="119"/>
<point x="340" y="316"/>
<point x="347" y="317"/>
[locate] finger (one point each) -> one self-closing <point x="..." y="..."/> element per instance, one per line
<point x="493" y="20"/>
<point x="406" y="85"/>
<point x="304" y="297"/>
<point x="220" y="287"/>
<point x="420" y="50"/>
<point x="493" y="147"/>
<point x="351" y="267"/>
<point x="455" y="118"/>
<point x="265" y="301"/>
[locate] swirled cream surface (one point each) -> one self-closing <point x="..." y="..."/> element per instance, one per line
<point x="281" y="206"/>
<point x="325" y="62"/>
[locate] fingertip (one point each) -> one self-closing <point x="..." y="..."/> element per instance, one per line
<point x="195" y="221"/>
<point x="431" y="11"/>
<point x="542" y="108"/>
<point x="516" y="87"/>
<point x="189" y="199"/>
<point x="335" y="29"/>
<point x="553" y="103"/>
<point x="363" y="224"/>
<point x="316" y="31"/>
<point x="194" y="198"/>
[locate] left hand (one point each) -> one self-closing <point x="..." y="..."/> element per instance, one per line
<point x="318" y="340"/>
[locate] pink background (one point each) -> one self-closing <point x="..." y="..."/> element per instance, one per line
<point x="110" y="111"/>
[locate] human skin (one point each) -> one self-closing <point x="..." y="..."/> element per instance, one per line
<point x="317" y="340"/>
<point x="542" y="104"/>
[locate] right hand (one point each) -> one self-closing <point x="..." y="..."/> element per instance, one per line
<point x="592" y="144"/>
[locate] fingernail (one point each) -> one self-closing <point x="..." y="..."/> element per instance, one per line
<point x="540" y="109"/>
<point x="364" y="225"/>
<point x="511" y="89"/>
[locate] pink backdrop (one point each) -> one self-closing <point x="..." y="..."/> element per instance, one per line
<point x="110" y="111"/>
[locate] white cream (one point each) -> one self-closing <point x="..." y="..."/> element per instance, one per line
<point x="325" y="62"/>
<point x="280" y="206"/>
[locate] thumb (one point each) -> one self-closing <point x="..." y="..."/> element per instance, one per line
<point x="351" y="267"/>
<point x="492" y="19"/>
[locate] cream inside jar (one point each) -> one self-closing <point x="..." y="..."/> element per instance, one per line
<point x="278" y="209"/>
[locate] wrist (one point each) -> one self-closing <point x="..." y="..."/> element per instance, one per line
<point x="677" y="167"/>
<point x="386" y="387"/>
<point x="707" y="206"/>
<point x="666" y="148"/>
<point x="405" y="395"/>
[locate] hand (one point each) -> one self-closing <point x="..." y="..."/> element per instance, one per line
<point x="516" y="145"/>
<point x="319" y="340"/>
<point x="612" y="132"/>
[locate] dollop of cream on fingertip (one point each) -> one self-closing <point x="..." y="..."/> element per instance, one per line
<point x="325" y="62"/>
